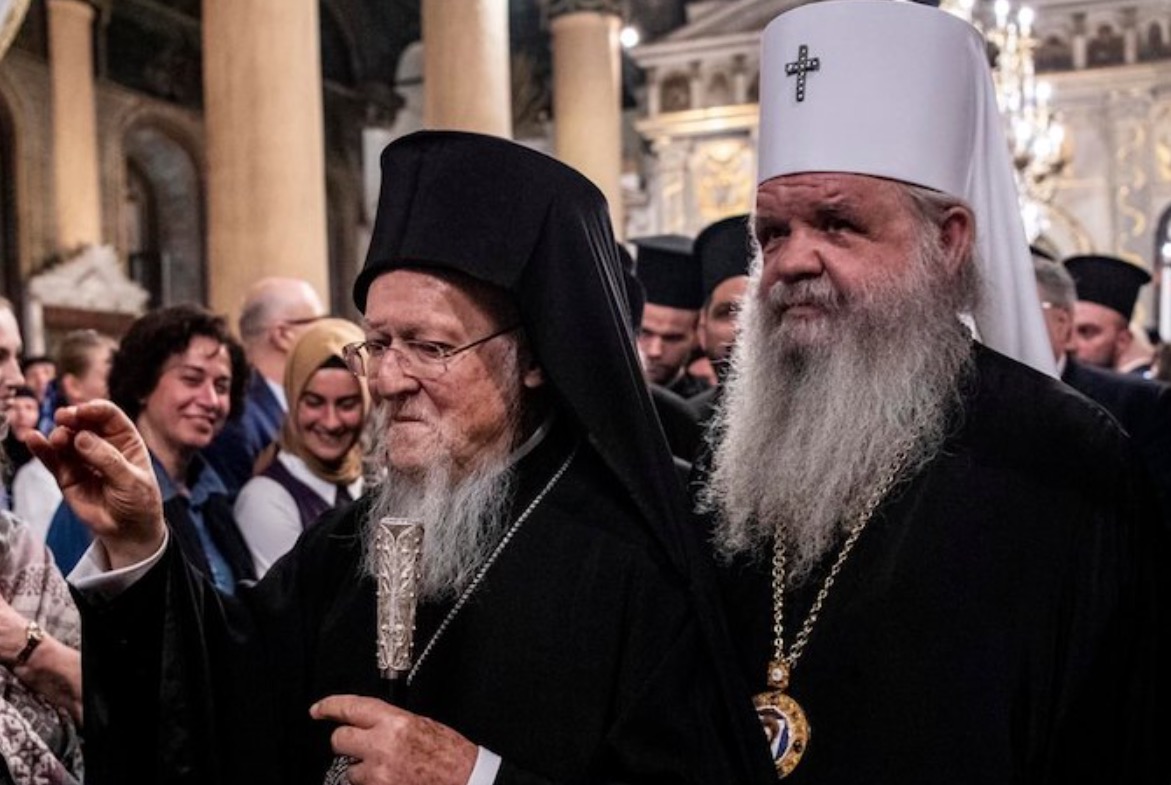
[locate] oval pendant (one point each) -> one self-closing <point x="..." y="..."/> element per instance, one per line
<point x="785" y="728"/>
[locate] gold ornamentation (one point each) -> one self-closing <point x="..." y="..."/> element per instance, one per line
<point x="783" y="720"/>
<point x="1128" y="156"/>
<point x="723" y="179"/>
<point x="1162" y="141"/>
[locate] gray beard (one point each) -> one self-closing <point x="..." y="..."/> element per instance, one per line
<point x="463" y="519"/>
<point x="815" y="416"/>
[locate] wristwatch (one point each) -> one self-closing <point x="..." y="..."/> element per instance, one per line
<point x="33" y="637"/>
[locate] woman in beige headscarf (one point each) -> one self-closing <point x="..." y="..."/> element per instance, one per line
<point x="316" y="464"/>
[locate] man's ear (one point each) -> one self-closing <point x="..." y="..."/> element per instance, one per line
<point x="1065" y="316"/>
<point x="701" y="329"/>
<point x="1122" y="341"/>
<point x="281" y="336"/>
<point x="533" y="377"/>
<point x="956" y="236"/>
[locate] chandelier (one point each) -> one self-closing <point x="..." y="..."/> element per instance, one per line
<point x="1035" y="137"/>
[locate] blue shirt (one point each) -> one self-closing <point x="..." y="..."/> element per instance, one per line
<point x="69" y="537"/>
<point x="206" y="483"/>
<point x="46" y="420"/>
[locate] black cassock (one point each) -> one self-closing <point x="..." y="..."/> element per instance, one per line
<point x="1143" y="409"/>
<point x="579" y="658"/>
<point x="999" y="620"/>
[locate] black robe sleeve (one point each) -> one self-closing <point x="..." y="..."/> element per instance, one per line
<point x="184" y="685"/>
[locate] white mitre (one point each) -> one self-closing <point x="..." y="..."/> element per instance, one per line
<point x="904" y="91"/>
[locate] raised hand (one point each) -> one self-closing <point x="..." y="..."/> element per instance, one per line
<point x="390" y="745"/>
<point x="105" y="474"/>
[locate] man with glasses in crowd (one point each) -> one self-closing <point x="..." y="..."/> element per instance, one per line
<point x="562" y="631"/>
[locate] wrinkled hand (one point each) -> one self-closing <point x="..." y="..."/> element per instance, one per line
<point x="395" y="746"/>
<point x="105" y="474"/>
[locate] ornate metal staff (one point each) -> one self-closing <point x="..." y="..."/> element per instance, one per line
<point x="398" y="544"/>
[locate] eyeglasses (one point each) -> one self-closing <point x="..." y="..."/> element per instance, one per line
<point x="423" y="360"/>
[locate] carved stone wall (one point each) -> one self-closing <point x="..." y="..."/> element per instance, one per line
<point x="1118" y="128"/>
<point x="700" y="121"/>
<point x="1110" y="66"/>
<point x="129" y="124"/>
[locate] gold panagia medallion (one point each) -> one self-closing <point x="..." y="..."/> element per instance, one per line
<point x="783" y="721"/>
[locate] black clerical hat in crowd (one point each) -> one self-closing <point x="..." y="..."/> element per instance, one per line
<point x="1108" y="281"/>
<point x="724" y="251"/>
<point x="668" y="271"/>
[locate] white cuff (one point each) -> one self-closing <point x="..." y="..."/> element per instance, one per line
<point x="487" y="765"/>
<point x="93" y="575"/>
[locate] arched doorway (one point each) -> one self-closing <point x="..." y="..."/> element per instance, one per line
<point x="162" y="217"/>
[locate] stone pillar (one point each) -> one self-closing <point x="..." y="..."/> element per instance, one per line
<point x="653" y="92"/>
<point x="740" y="79"/>
<point x="1080" y="40"/>
<point x="695" y="83"/>
<point x="466" y="81"/>
<point x="76" y="178"/>
<point x="1128" y="21"/>
<point x="265" y="146"/>
<point x="587" y="94"/>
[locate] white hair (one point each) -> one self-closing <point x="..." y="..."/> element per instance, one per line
<point x="464" y="513"/>
<point x="814" y="415"/>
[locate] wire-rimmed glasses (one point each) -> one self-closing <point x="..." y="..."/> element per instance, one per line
<point x="424" y="360"/>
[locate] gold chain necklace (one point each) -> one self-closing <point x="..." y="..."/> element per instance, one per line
<point x="785" y="726"/>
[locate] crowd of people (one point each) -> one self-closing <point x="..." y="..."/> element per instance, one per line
<point x="856" y="488"/>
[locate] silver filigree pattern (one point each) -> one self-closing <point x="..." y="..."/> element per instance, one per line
<point x="398" y="545"/>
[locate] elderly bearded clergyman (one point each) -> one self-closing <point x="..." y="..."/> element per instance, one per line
<point x="559" y="633"/>
<point x="939" y="565"/>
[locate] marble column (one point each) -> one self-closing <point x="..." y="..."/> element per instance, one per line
<point x="587" y="94"/>
<point x="1128" y="21"/>
<point x="653" y="91"/>
<point x="740" y="79"/>
<point x="466" y="75"/>
<point x="1080" y="40"/>
<point x="265" y="146"/>
<point x="76" y="179"/>
<point x="695" y="84"/>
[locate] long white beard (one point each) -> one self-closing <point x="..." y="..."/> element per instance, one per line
<point x="815" y="414"/>
<point x="463" y="516"/>
<point x="462" y="522"/>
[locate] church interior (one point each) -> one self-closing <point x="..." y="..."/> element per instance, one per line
<point x="154" y="152"/>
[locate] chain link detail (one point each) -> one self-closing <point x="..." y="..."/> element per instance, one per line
<point x="778" y="572"/>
